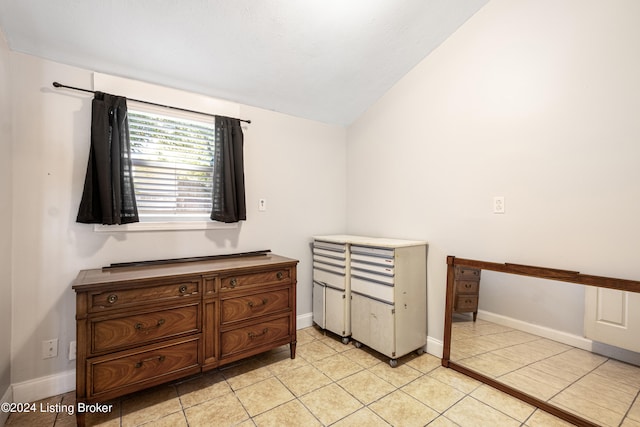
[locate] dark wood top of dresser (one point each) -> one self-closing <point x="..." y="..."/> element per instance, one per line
<point x="86" y="279"/>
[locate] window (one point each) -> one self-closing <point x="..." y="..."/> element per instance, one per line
<point x="172" y="159"/>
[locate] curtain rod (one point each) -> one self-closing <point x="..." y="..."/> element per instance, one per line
<point x="57" y="85"/>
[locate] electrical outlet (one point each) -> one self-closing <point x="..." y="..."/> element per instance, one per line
<point x="50" y="348"/>
<point x="498" y="205"/>
<point x="72" y="350"/>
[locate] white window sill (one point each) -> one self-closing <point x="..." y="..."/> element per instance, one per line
<point x="164" y="226"/>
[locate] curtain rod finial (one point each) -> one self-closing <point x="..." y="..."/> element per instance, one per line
<point x="56" y="84"/>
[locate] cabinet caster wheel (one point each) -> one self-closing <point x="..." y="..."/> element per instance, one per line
<point x="393" y="363"/>
<point x="357" y="344"/>
<point x="420" y="351"/>
<point x="345" y="340"/>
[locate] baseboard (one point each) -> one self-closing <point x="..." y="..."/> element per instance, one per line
<point x="542" y="331"/>
<point x="304" y="320"/>
<point x="40" y="388"/>
<point x="616" y="353"/>
<point x="564" y="337"/>
<point x="435" y="347"/>
<point x="7" y="397"/>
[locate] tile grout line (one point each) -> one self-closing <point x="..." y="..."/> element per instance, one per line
<point x="626" y="414"/>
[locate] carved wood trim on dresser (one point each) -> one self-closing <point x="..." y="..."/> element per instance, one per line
<point x="142" y="326"/>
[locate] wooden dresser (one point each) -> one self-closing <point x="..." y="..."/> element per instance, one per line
<point x="145" y="325"/>
<point x="466" y="290"/>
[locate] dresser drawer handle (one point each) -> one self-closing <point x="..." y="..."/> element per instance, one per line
<point x="252" y="335"/>
<point x="183" y="289"/>
<point x="468" y="301"/>
<point x="252" y="304"/>
<point x="233" y="283"/>
<point x="158" y="358"/>
<point x="280" y="275"/>
<point x="468" y="286"/>
<point x="140" y="327"/>
<point x="111" y="299"/>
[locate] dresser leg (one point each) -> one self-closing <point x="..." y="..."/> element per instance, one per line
<point x="80" y="419"/>
<point x="475" y="315"/>
<point x="292" y="348"/>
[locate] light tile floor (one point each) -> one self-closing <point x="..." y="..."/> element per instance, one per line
<point x="602" y="390"/>
<point x="328" y="383"/>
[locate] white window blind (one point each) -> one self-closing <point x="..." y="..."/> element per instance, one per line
<point x="172" y="165"/>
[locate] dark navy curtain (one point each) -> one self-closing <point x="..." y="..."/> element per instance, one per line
<point x="228" y="172"/>
<point x="108" y="196"/>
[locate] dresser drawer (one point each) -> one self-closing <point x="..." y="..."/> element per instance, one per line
<point x="466" y="303"/>
<point x="270" y="277"/>
<point x="130" y="295"/>
<point x="156" y="363"/>
<point x="249" y="337"/>
<point x="142" y="328"/>
<point x="250" y="306"/>
<point x="465" y="273"/>
<point x="467" y="287"/>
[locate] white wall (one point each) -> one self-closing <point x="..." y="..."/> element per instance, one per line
<point x="297" y="165"/>
<point x="5" y="221"/>
<point x="537" y="101"/>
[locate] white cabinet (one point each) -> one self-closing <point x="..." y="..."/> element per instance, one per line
<point x="373" y="323"/>
<point x="385" y="293"/>
<point x="331" y="308"/>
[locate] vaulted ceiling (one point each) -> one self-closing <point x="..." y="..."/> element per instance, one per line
<point x="326" y="60"/>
